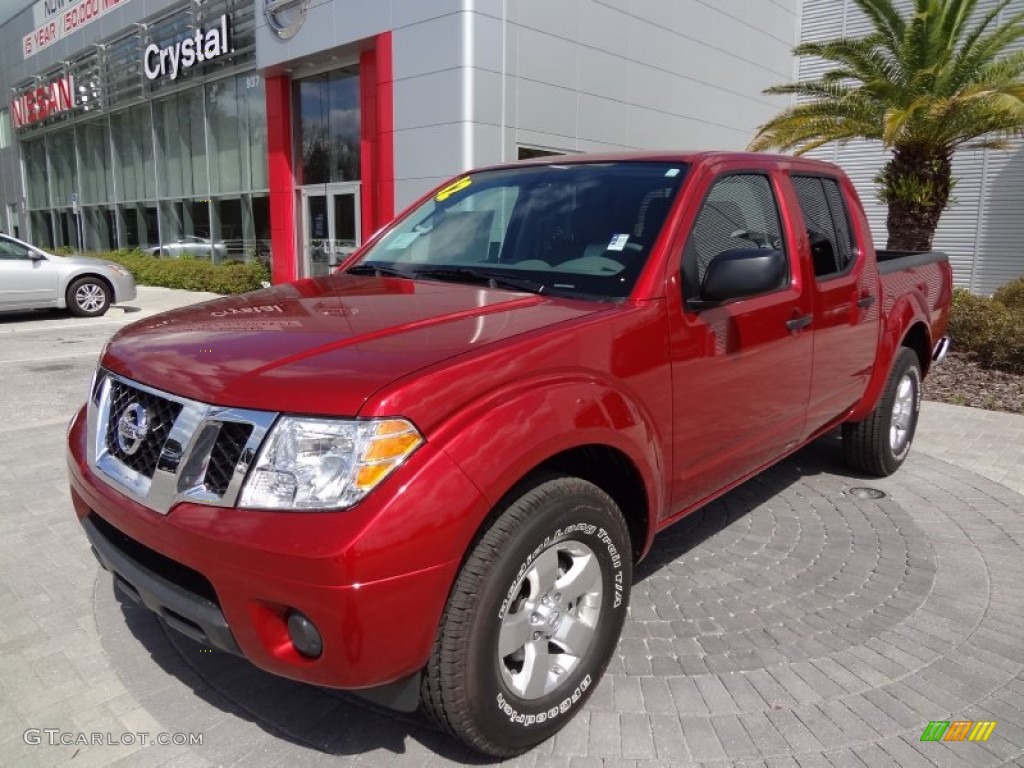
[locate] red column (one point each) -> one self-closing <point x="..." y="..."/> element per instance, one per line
<point x="377" y="163"/>
<point x="281" y="178"/>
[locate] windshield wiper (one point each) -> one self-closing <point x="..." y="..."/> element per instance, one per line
<point x="377" y="270"/>
<point x="492" y="279"/>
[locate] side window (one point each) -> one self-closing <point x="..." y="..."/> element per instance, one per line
<point x="10" y="251"/>
<point x="827" y="226"/>
<point x="739" y="212"/>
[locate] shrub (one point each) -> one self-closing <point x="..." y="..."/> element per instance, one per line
<point x="989" y="330"/>
<point x="190" y="273"/>
<point x="1011" y="295"/>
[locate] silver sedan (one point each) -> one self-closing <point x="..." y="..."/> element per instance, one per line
<point x="34" y="279"/>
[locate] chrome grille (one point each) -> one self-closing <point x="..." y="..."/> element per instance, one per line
<point x="225" y="455"/>
<point x="186" y="451"/>
<point x="161" y="415"/>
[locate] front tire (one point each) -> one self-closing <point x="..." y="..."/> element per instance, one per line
<point x="88" y="297"/>
<point x="533" y="618"/>
<point x="880" y="444"/>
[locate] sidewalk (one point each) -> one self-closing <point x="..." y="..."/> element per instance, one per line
<point x="987" y="442"/>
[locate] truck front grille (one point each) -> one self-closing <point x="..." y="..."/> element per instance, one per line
<point x="159" y="416"/>
<point x="161" y="449"/>
<point x="225" y="455"/>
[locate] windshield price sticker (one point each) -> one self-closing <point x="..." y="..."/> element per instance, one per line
<point x="451" y="189"/>
<point x="618" y="242"/>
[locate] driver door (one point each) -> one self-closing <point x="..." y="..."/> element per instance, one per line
<point x="741" y="371"/>
<point x="25" y="282"/>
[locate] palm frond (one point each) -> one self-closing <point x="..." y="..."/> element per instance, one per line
<point x="886" y="20"/>
<point x="980" y="48"/>
<point x="939" y="77"/>
<point x="865" y="59"/>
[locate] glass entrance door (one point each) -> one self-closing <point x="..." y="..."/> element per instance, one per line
<point x="330" y="230"/>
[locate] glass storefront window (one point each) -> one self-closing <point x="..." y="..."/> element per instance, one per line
<point x="94" y="157"/>
<point x="255" y="97"/>
<point x="185" y="172"/>
<point x="42" y="229"/>
<point x="133" y="154"/>
<point x="100" y="228"/>
<point x="328" y="108"/>
<point x="34" y="154"/>
<point x="225" y="126"/>
<point x="137" y="226"/>
<point x="181" y="144"/>
<point x="60" y="146"/>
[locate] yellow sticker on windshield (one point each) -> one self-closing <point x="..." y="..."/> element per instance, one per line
<point x="451" y="189"/>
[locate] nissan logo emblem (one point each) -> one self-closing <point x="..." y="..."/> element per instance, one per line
<point x="285" y="17"/>
<point x="132" y="428"/>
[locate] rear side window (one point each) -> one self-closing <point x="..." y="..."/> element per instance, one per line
<point x="828" y="227"/>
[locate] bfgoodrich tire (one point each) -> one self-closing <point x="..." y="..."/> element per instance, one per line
<point x="88" y="297"/>
<point x="533" y="618"/>
<point x="879" y="445"/>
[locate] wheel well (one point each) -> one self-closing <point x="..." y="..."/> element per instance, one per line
<point x="615" y="474"/>
<point x="917" y="340"/>
<point x="101" y="278"/>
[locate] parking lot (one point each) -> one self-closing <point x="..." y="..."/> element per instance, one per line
<point x="797" y="621"/>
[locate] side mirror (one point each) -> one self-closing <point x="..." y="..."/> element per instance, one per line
<point x="36" y="256"/>
<point x="742" y="272"/>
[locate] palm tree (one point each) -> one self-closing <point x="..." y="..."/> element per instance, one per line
<point x="924" y="85"/>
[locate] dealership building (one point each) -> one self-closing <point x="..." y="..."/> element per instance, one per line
<point x="290" y="130"/>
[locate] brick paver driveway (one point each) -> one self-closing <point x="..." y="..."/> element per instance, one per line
<point x="798" y="621"/>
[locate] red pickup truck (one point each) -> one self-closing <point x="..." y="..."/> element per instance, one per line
<point x="428" y="476"/>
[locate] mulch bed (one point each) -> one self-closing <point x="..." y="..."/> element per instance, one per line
<point x="961" y="381"/>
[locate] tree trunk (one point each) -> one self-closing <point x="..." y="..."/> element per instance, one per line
<point x="916" y="183"/>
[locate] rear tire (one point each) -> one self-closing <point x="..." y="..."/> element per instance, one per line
<point x="533" y="618"/>
<point x="88" y="297"/>
<point x="879" y="445"/>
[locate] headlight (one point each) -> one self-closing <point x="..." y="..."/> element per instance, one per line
<point x="326" y="463"/>
<point x="120" y="270"/>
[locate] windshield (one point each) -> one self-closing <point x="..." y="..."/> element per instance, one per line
<point x="581" y="230"/>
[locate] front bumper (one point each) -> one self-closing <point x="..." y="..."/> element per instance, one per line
<point x="124" y="288"/>
<point x="373" y="579"/>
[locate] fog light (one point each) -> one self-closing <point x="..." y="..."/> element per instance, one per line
<point x="304" y="635"/>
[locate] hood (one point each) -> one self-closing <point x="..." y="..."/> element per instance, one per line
<point x="322" y="346"/>
<point x="85" y="261"/>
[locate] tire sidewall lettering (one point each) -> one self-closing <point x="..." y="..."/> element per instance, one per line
<point x="526" y="720"/>
<point x="586" y="529"/>
<point x="543" y="712"/>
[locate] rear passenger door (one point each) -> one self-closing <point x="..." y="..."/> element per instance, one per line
<point x="846" y="307"/>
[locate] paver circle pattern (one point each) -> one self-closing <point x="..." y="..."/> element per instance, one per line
<point x="790" y="618"/>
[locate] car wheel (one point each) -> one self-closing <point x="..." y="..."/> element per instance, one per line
<point x="88" y="297"/>
<point x="533" y="618"/>
<point x="879" y="445"/>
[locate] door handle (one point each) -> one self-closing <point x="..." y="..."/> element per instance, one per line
<point x="865" y="301"/>
<point x="799" y="322"/>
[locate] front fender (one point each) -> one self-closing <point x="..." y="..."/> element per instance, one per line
<point x="503" y="436"/>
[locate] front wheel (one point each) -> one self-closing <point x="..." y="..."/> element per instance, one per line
<point x="880" y="444"/>
<point x="88" y="297"/>
<point x="533" y="618"/>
